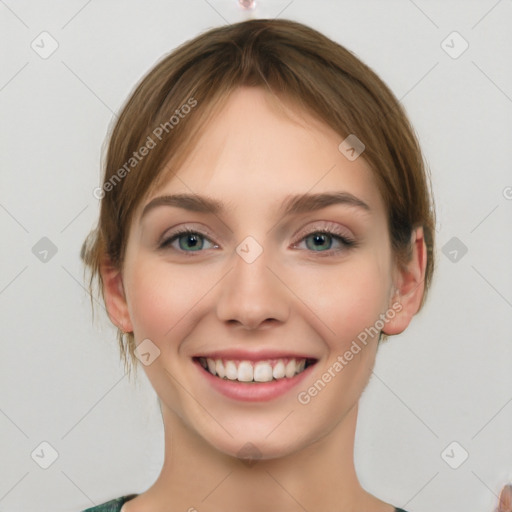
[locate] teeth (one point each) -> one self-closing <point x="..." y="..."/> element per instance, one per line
<point x="231" y="371"/>
<point x="263" y="372"/>
<point x="246" y="371"/>
<point x="278" y="371"/>
<point x="219" y="366"/>
<point x="211" y="366"/>
<point x="290" y="369"/>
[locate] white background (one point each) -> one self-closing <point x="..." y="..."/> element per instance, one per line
<point x="448" y="378"/>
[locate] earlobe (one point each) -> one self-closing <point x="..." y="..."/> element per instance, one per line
<point x="115" y="299"/>
<point x="409" y="286"/>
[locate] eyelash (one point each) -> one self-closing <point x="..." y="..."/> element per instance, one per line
<point x="348" y="242"/>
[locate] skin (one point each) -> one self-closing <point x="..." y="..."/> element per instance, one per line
<point x="292" y="298"/>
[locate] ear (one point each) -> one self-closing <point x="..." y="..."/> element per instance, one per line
<point x="115" y="299"/>
<point x="409" y="284"/>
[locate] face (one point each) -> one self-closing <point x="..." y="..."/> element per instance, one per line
<point x="259" y="290"/>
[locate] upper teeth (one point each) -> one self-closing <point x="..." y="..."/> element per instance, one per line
<point x="248" y="371"/>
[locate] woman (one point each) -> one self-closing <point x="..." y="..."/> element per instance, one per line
<point x="265" y="222"/>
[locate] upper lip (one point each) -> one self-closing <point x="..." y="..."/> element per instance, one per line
<point x="245" y="355"/>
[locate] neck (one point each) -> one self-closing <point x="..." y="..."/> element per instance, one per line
<point x="321" y="476"/>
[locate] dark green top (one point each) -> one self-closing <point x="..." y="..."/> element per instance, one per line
<point x="115" y="505"/>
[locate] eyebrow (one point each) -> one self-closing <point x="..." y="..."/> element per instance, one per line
<point x="295" y="204"/>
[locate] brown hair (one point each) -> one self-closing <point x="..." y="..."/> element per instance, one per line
<point x="291" y="61"/>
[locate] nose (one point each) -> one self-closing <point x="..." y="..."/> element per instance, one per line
<point x="252" y="296"/>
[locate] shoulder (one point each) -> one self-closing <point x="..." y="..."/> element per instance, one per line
<point x="112" y="505"/>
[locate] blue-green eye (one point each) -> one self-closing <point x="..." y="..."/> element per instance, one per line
<point x="188" y="241"/>
<point x="322" y="241"/>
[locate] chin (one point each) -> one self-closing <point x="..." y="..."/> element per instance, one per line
<point x="251" y="445"/>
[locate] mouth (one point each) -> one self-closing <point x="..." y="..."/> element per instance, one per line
<point x="253" y="372"/>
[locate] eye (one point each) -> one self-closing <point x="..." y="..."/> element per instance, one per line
<point x="188" y="241"/>
<point x="323" y="240"/>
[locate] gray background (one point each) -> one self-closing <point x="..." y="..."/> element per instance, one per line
<point x="448" y="378"/>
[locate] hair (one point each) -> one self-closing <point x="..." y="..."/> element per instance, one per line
<point x="158" y="124"/>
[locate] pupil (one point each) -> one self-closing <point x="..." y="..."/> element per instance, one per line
<point x="319" y="241"/>
<point x="190" y="241"/>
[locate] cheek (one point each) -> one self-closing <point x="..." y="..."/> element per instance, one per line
<point x="352" y="299"/>
<point x="163" y="298"/>
<point x="346" y="298"/>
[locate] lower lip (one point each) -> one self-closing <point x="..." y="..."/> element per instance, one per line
<point x="253" y="391"/>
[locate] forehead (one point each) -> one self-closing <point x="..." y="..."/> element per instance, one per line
<point x="258" y="148"/>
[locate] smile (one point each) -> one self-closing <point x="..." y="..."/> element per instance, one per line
<point x="255" y="371"/>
